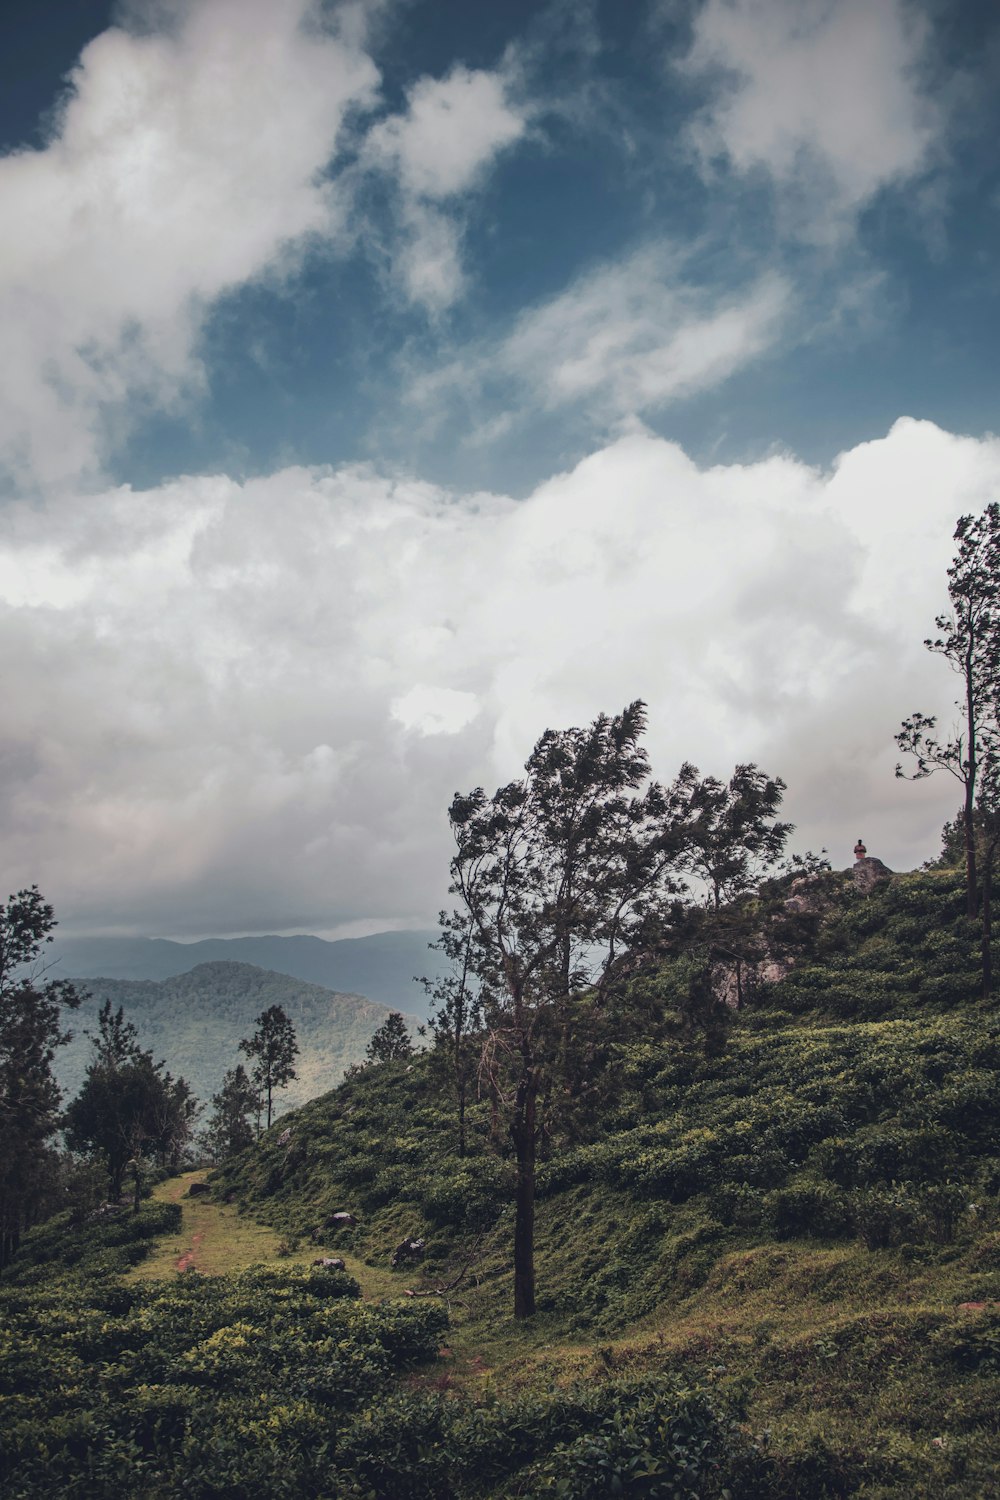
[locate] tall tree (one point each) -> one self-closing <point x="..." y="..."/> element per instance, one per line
<point x="969" y="640"/>
<point x="274" y="1050"/>
<point x="229" y="1129"/>
<point x="30" y="1032"/>
<point x="557" y="877"/>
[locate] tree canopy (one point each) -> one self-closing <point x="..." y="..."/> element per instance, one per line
<point x="129" y="1108"/>
<point x="391" y="1041"/>
<point x="274" y="1049"/>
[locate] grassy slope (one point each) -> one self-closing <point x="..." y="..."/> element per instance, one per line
<point x="215" y="1239"/>
<point x="794" y="1218"/>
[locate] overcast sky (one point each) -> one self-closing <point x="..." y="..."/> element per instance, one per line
<point x="386" y="382"/>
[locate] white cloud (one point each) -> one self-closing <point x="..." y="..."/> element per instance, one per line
<point x="427" y="257"/>
<point x="437" y="151"/>
<point x="635" y="335"/>
<point x="824" y="95"/>
<point x="242" y="706"/>
<point x="186" y="161"/>
<point x="435" y="710"/>
<point x="625" y="339"/>
<point x="451" y="131"/>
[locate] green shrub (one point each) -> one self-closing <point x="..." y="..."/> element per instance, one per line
<point x="808" y="1208"/>
<point x="886" y="1216"/>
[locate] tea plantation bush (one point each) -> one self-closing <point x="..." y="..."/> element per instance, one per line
<point x="228" y="1385"/>
<point x="279" y="1382"/>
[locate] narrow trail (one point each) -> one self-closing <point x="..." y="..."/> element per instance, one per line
<point x="187" y="1262"/>
<point x="215" y="1238"/>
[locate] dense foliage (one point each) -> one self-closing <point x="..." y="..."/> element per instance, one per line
<point x="845" y="1144"/>
<point x="31" y="1029"/>
<point x="130" y="1110"/>
<point x="245" y="1384"/>
<point x="234" y="1107"/>
<point x="391" y="1041"/>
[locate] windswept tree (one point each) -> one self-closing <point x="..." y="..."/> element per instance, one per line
<point x="129" y="1109"/>
<point x="391" y="1041"/>
<point x="30" y="1031"/>
<point x="733" y="839"/>
<point x="558" y="877"/>
<point x="273" y="1049"/>
<point x="969" y="640"/>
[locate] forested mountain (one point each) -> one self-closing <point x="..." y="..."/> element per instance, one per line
<point x="380" y="967"/>
<point x="196" y="1020"/>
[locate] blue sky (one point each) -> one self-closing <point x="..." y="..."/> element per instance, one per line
<point x="366" y="361"/>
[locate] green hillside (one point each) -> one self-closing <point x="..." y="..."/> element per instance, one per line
<point x="195" y="1022"/>
<point x="808" y="1220"/>
<point x="767" y="1269"/>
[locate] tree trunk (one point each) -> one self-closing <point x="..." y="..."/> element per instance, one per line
<point x="460" y="1084"/>
<point x="988" y="922"/>
<point x="971" y="771"/>
<point x="968" y="819"/>
<point x="10" y="1239"/>
<point x="523" y="1135"/>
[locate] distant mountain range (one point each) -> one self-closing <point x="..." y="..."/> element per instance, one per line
<point x="380" y="967"/>
<point x="196" y="1020"/>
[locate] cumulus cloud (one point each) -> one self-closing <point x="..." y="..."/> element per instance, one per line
<point x="438" y="149"/>
<point x="185" y="161"/>
<point x="823" y="95"/>
<point x="246" y="706"/>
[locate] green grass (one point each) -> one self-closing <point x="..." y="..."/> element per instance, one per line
<point x="215" y="1239"/>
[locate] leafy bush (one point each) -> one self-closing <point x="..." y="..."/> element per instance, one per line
<point x="886" y="1216"/>
<point x="808" y="1208"/>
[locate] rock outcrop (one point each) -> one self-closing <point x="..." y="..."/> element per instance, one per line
<point x="868" y="872"/>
